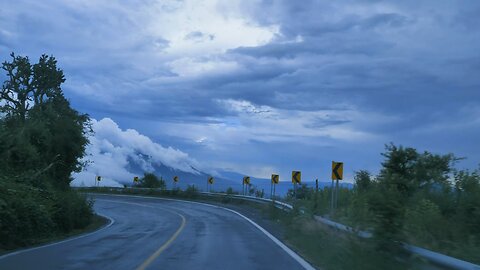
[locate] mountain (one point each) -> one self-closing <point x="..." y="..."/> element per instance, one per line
<point x="119" y="155"/>
<point x="144" y="163"/>
<point x="222" y="180"/>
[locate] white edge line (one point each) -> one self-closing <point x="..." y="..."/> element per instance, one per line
<point x="290" y="252"/>
<point x="63" y="241"/>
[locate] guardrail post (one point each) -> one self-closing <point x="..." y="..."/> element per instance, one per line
<point x="336" y="197"/>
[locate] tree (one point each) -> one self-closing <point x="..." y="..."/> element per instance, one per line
<point x="150" y="180"/>
<point x="467" y="189"/>
<point x="29" y="85"/>
<point x="41" y="142"/>
<point x="407" y="170"/>
<point x="301" y="192"/>
<point x="363" y="180"/>
<point x="405" y="173"/>
<point x="68" y="137"/>
<point x="41" y="136"/>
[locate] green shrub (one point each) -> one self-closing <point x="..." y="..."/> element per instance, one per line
<point x="230" y="191"/>
<point x="150" y="180"/>
<point x="28" y="215"/>
<point x="175" y="191"/>
<point x="71" y="211"/>
<point x="24" y="215"/>
<point x="191" y="191"/>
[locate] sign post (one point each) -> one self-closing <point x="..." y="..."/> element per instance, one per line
<point x="246" y="183"/>
<point x="243" y="186"/>
<point x="331" y="197"/>
<point x="274" y="182"/>
<point x="175" y="180"/>
<point x="209" y="182"/>
<point x="337" y="174"/>
<point x="296" y="179"/>
<point x="135" y="180"/>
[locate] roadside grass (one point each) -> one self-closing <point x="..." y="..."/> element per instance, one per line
<point x="425" y="229"/>
<point x="327" y="248"/>
<point x="97" y="223"/>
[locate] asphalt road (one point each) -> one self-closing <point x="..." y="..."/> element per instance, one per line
<point x="162" y="234"/>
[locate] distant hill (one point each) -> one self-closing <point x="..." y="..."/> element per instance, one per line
<point x="223" y="180"/>
<point x="119" y="155"/>
<point x="196" y="177"/>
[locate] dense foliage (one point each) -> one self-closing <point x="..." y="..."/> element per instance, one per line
<point x="41" y="142"/>
<point x="150" y="180"/>
<point x="418" y="198"/>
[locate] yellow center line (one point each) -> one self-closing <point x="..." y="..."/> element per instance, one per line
<point x="159" y="251"/>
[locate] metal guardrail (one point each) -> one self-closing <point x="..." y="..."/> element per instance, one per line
<point x="277" y="203"/>
<point x="434" y="257"/>
<point x="441" y="259"/>
<point x="341" y="227"/>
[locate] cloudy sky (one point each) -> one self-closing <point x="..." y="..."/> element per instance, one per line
<point x="267" y="86"/>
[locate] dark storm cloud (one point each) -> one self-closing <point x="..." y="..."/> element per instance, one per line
<point x="402" y="71"/>
<point x="363" y="57"/>
<point x="198" y="36"/>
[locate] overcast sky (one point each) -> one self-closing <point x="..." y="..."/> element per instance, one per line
<point x="267" y="86"/>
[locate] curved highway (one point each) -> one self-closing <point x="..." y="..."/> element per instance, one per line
<point x="162" y="234"/>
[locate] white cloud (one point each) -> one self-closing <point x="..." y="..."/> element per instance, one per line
<point x="188" y="67"/>
<point x="111" y="148"/>
<point x="268" y="124"/>
<point x="259" y="171"/>
<point x="227" y="27"/>
<point x="201" y="139"/>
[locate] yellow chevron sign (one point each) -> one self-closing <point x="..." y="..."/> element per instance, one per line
<point x="296" y="177"/>
<point x="135" y="179"/>
<point x="246" y="180"/>
<point x="99" y="178"/>
<point x="337" y="170"/>
<point x="175" y="179"/>
<point x="210" y="179"/>
<point x="275" y="178"/>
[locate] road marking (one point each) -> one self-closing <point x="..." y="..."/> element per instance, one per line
<point x="64" y="241"/>
<point x="159" y="251"/>
<point x="279" y="243"/>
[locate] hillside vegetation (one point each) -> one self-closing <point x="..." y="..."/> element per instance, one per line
<point x="417" y="198"/>
<point x="41" y="141"/>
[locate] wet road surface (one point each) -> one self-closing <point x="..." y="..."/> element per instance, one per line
<point x="161" y="234"/>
